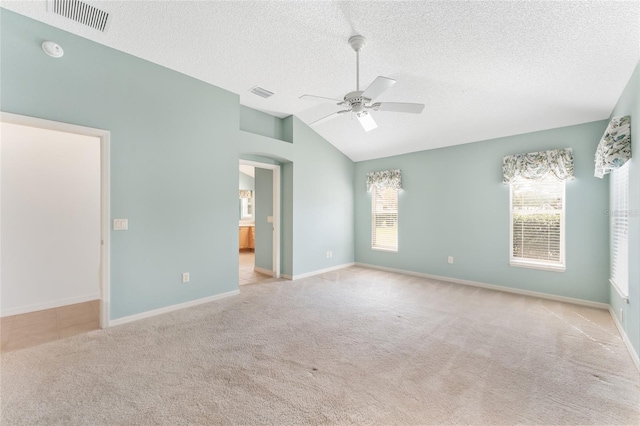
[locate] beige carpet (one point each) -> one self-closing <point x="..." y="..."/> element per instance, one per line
<point x="355" y="346"/>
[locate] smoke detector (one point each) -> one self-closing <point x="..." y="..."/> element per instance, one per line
<point x="52" y="49"/>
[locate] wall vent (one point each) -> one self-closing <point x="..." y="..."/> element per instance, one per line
<point x="261" y="92"/>
<point x="81" y="12"/>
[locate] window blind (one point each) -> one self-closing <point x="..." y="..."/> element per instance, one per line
<point x="384" y="219"/>
<point x="537" y="222"/>
<point x="619" y="228"/>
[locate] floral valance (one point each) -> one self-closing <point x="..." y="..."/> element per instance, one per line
<point x="384" y="179"/>
<point x="246" y="193"/>
<point x="536" y="165"/>
<point x="614" y="148"/>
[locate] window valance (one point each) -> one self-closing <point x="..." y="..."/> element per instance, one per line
<point x="384" y="179"/>
<point x="614" y="148"/>
<point x="246" y="193"/>
<point x="536" y="165"/>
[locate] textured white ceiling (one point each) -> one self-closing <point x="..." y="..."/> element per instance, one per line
<point x="483" y="69"/>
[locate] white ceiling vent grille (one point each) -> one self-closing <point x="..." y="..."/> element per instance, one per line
<point x="81" y="12"/>
<point x="264" y="93"/>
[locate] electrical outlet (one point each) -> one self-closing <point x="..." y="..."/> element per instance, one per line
<point x="120" y="224"/>
<point x="450" y="259"/>
<point x="185" y="277"/>
<point x="330" y="253"/>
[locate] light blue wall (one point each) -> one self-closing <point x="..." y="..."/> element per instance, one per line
<point x="173" y="140"/>
<point x="261" y="123"/>
<point x="323" y="207"/>
<point x="629" y="104"/>
<point x="317" y="196"/>
<point x="286" y="231"/>
<point x="245" y="181"/>
<point x="264" y="229"/>
<point x="454" y="204"/>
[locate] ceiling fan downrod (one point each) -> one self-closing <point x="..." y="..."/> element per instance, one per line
<point x="357" y="42"/>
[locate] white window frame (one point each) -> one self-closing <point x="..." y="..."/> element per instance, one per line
<point x="619" y="208"/>
<point x="373" y="221"/>
<point x="520" y="262"/>
<point x="247" y="207"/>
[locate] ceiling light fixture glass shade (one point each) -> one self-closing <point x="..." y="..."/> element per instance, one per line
<point x="367" y="122"/>
<point x="52" y="49"/>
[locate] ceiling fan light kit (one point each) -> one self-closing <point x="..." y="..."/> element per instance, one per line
<point x="359" y="102"/>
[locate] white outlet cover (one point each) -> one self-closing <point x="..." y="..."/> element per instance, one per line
<point x="120" y="224"/>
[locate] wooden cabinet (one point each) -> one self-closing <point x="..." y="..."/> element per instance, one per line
<point x="246" y="238"/>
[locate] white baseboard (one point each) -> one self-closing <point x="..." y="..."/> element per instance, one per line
<point x="48" y="305"/>
<point x="575" y="301"/>
<point x="318" y="272"/>
<point x="286" y="277"/>
<point x="263" y="271"/>
<point x="166" y="309"/>
<point x="625" y="339"/>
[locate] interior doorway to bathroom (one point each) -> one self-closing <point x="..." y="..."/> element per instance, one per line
<point x="258" y="226"/>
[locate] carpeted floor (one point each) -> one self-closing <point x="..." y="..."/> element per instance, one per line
<point x="356" y="346"/>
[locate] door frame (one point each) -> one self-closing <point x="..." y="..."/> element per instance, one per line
<point x="275" y="168"/>
<point x="105" y="200"/>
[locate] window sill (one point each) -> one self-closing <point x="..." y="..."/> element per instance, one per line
<point x="537" y="265"/>
<point x="384" y="249"/>
<point x="620" y="292"/>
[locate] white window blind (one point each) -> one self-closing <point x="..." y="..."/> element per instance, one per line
<point x="537" y="223"/>
<point x="384" y="219"/>
<point x="619" y="231"/>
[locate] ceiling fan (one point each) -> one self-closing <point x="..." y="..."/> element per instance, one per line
<point x="359" y="102"/>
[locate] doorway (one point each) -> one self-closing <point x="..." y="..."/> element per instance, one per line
<point x="49" y="228"/>
<point x="259" y="222"/>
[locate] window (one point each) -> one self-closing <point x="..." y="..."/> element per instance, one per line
<point x="246" y="208"/>
<point x="537" y="223"/>
<point x="619" y="228"/>
<point x="384" y="219"/>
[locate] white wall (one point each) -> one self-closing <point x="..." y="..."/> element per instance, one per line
<point x="50" y="218"/>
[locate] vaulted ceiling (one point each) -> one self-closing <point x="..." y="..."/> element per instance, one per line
<point x="483" y="69"/>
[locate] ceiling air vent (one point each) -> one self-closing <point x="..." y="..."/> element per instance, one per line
<point x="261" y="92"/>
<point x="81" y="12"/>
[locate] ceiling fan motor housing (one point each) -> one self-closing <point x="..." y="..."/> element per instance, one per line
<point x="355" y="101"/>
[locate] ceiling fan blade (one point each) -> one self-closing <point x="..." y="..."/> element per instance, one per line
<point x="400" y="107"/>
<point x="319" y="98"/>
<point x="367" y="121"/>
<point x="379" y="85"/>
<point x="328" y="117"/>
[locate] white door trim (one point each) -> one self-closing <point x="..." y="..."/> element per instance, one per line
<point x="275" y="168"/>
<point x="105" y="200"/>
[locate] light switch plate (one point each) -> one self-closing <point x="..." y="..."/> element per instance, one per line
<point x="120" y="224"/>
